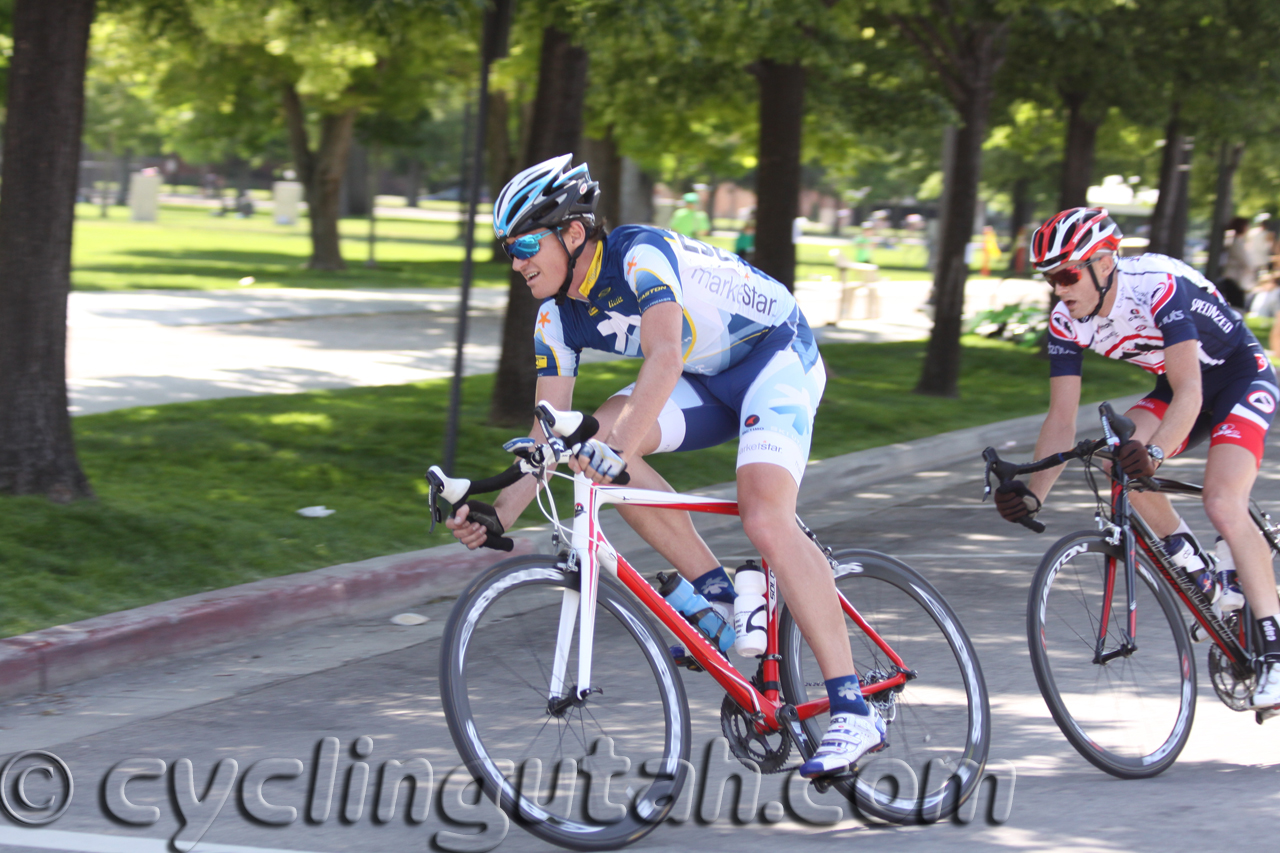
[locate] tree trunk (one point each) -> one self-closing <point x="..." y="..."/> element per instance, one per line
<point x="778" y="176"/>
<point x="1228" y="161"/>
<point x="554" y="128"/>
<point x="602" y="158"/>
<point x="1162" y="217"/>
<point x="1077" y="154"/>
<point x="941" y="373"/>
<point x="1178" y="216"/>
<point x="321" y="175"/>
<point x="355" y="182"/>
<point x="37" y="212"/>
<point x="122" y="189"/>
<point x="635" y="193"/>
<point x="1022" y="209"/>
<point x="326" y="189"/>
<point x="413" y="182"/>
<point x="500" y="160"/>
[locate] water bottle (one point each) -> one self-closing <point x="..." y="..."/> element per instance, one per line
<point x="1182" y="553"/>
<point x="681" y="595"/>
<point x="750" y="614"/>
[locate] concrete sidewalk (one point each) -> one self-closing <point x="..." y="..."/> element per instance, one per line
<point x="43" y="660"/>
<point x="144" y="348"/>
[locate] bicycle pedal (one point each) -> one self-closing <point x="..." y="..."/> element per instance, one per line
<point x="680" y="658"/>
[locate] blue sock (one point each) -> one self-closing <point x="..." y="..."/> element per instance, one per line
<point x="846" y="696"/>
<point x="716" y="586"/>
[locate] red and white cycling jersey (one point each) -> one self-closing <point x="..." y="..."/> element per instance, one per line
<point x="1160" y="302"/>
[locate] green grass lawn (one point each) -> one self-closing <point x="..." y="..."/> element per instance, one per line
<point x="198" y="496"/>
<point x="189" y="248"/>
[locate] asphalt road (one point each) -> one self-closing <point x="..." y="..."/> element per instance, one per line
<point x="278" y="698"/>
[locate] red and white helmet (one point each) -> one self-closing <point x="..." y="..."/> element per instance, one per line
<point x="1074" y="235"/>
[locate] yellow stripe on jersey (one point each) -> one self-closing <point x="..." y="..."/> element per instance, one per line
<point x="593" y="271"/>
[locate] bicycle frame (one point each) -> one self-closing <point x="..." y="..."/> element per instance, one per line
<point x="592" y="550"/>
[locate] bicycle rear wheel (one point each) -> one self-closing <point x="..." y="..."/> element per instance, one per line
<point x="1131" y="715"/>
<point x="938" y="722"/>
<point x="533" y="755"/>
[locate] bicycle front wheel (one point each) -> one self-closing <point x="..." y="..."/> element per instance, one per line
<point x="570" y="770"/>
<point x="1126" y="708"/>
<point x="938" y="722"/>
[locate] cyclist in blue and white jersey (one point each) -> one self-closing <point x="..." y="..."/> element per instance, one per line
<point x="727" y="354"/>
<point x="1212" y="379"/>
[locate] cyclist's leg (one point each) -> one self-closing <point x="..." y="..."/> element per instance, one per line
<point x="1242" y="415"/>
<point x="1228" y="480"/>
<point x="1155" y="508"/>
<point x="685" y="421"/>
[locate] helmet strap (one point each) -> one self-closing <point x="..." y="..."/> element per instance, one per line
<point x="563" y="293"/>
<point x="1102" y="291"/>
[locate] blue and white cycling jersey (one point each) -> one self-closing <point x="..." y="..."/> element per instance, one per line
<point x="729" y="306"/>
<point x="1160" y="302"/>
<point x="751" y="366"/>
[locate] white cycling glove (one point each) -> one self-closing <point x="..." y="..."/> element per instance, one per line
<point x="601" y="458"/>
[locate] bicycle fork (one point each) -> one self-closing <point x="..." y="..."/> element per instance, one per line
<point x="578" y="605"/>
<point x="1128" y="634"/>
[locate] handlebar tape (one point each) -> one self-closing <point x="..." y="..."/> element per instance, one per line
<point x="1031" y="524"/>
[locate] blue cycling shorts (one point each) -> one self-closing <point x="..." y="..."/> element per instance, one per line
<point x="768" y="401"/>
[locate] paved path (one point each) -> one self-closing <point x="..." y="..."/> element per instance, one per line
<point x="140" y="348"/>
<point x="276" y="698"/>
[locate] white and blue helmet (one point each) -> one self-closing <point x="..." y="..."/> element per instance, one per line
<point x="544" y="196"/>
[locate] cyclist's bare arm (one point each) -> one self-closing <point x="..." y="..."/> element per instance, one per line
<point x="1182" y="369"/>
<point x="511" y="501"/>
<point x="661" y="330"/>
<point x="1058" y="432"/>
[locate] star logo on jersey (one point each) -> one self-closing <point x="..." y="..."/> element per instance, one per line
<point x="543" y="319"/>
<point x="620" y="325"/>
<point x="794" y="402"/>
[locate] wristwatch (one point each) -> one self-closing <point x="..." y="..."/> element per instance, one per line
<point x="1154" y="451"/>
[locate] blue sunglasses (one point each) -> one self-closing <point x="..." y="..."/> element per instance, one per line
<point x="526" y="245"/>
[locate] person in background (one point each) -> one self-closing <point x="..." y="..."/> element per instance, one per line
<point x="745" y="245"/>
<point x="862" y="244"/>
<point x="690" y="219"/>
<point x="1239" y="273"/>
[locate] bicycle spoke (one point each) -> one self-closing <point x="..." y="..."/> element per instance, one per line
<point x="497" y="709"/>
<point x="1128" y="715"/>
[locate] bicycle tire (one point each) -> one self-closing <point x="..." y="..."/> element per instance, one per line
<point x="1131" y="716"/>
<point x="495" y="665"/>
<point x="941" y="714"/>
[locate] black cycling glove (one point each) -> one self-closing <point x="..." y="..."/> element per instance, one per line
<point x="1016" y="502"/>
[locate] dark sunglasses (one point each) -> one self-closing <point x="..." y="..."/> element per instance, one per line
<point x="1067" y="275"/>
<point x="525" y="246"/>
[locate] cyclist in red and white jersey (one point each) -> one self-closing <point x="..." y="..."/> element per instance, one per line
<point x="1212" y="378"/>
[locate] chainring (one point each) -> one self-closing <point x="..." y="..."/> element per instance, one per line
<point x="1234" y="691"/>
<point x="769" y="752"/>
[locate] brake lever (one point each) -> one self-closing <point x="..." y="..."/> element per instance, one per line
<point x="990" y="455"/>
<point x="435" y="487"/>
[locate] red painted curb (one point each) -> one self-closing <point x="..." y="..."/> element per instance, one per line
<point x="43" y="660"/>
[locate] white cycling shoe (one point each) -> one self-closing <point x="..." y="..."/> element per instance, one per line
<point x="848" y="738"/>
<point x="1267" y="694"/>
